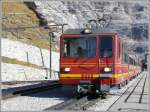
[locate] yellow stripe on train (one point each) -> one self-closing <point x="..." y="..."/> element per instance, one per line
<point x="70" y="75"/>
<point x="91" y="76"/>
<point x="120" y="75"/>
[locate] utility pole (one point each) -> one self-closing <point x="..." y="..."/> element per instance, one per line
<point x="49" y="27"/>
<point x="50" y="57"/>
<point x="50" y="43"/>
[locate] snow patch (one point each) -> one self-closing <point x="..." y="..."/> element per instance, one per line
<point x="11" y="72"/>
<point x="26" y="53"/>
<point x="20" y="51"/>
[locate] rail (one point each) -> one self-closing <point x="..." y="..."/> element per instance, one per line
<point x="31" y="90"/>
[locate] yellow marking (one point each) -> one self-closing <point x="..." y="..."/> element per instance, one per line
<point x="120" y="75"/>
<point x="70" y="75"/>
<point x="93" y="75"/>
<point x="78" y="75"/>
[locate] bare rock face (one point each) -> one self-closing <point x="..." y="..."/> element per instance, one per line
<point x="130" y="18"/>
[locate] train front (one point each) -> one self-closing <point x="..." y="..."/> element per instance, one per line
<point x="86" y="60"/>
<point x="78" y="60"/>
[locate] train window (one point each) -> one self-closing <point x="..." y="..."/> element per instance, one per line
<point x="119" y="48"/>
<point x="124" y="56"/>
<point x="105" y="46"/>
<point x="80" y="47"/>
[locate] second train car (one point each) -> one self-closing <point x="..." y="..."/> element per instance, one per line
<point x="95" y="60"/>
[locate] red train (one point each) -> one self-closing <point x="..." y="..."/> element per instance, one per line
<point x="95" y="60"/>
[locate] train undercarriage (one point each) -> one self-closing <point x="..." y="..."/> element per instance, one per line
<point x="85" y="87"/>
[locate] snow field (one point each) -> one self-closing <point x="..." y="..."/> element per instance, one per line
<point x="19" y="51"/>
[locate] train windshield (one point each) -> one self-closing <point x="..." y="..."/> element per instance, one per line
<point x="80" y="47"/>
<point x="105" y="47"/>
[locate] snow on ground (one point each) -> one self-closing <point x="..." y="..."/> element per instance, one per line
<point x="38" y="101"/>
<point x="18" y="50"/>
<point x="29" y="103"/>
<point x="12" y="72"/>
<point x="104" y="104"/>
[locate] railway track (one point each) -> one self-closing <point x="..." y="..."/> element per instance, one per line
<point x="77" y="104"/>
<point x="31" y="90"/>
<point x="84" y="103"/>
<point x="140" y="99"/>
<point x="132" y="91"/>
<point x="63" y="105"/>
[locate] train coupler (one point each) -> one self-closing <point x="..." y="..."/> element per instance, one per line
<point x="86" y="88"/>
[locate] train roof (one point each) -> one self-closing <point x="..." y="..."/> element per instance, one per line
<point x="79" y="31"/>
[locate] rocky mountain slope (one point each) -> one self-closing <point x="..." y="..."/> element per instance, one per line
<point x="128" y="18"/>
<point x="18" y="14"/>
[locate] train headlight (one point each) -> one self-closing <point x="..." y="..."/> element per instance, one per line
<point x="107" y="69"/>
<point x="87" y="31"/>
<point x="67" y="69"/>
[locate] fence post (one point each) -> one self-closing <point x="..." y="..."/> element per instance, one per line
<point x="42" y="57"/>
<point x="27" y="54"/>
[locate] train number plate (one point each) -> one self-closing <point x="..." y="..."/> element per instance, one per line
<point x="85" y="81"/>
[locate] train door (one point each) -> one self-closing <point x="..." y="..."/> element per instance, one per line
<point x="119" y="65"/>
<point x="105" y="61"/>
